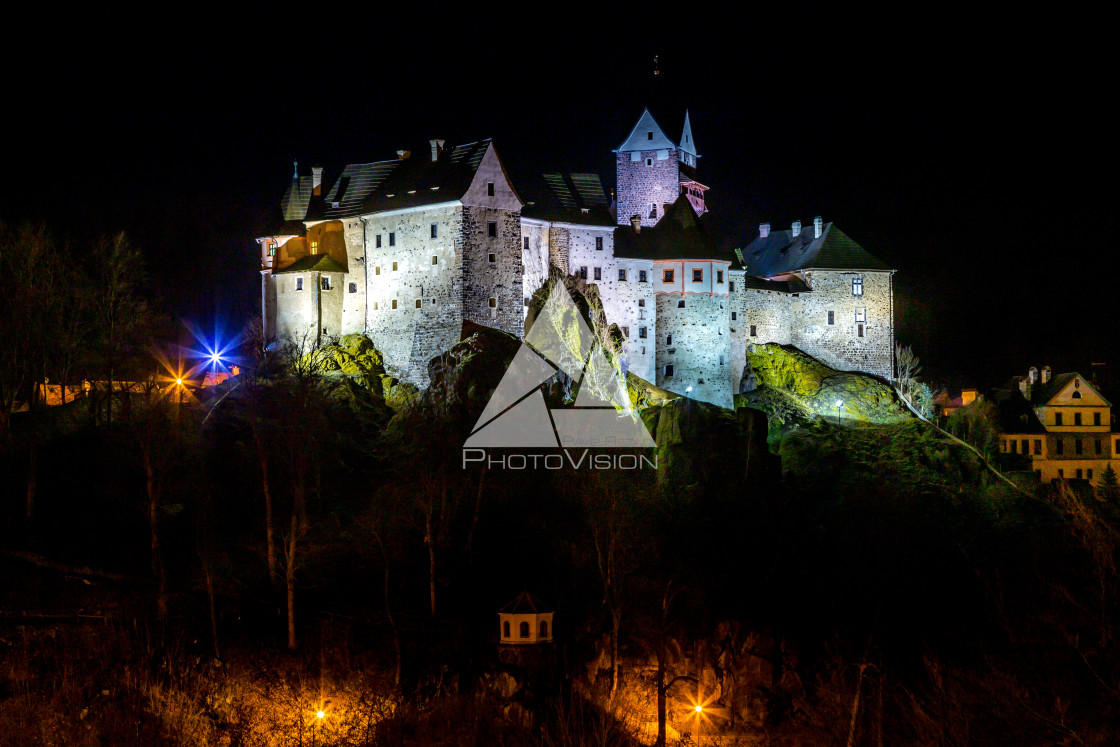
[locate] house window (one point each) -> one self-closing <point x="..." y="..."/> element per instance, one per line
<point x="649" y="135"/>
<point x="669" y="371"/>
<point x="1096" y="418"/>
<point x="598" y="243"/>
<point x="754" y="331"/>
<point x="831" y="317"/>
<point x="859" y="330"/>
<point x="857" y="286"/>
<point x="489" y="189"/>
<point x="524" y="629"/>
<point x="377" y="241"/>
<point x="861" y="314"/>
<point x="419" y="303"/>
<point x="1038" y="446"/>
<point x="697" y="276"/>
<point x="1061" y="473"/>
<point x="1025" y="445"/>
<point x="680" y="304"/>
<point x="493" y="302"/>
<point x="1057" y="418"/>
<point x="491" y="229"/>
<point x="1060" y="447"/>
<point x="626" y="332"/>
<point x="1077" y="446"/>
<point x="719" y="276"/>
<point x="652" y="205"/>
<point x="435" y="260"/>
<point x="731" y="286"/>
<point x="641" y="302"/>
<point x="353" y="287"/>
<point x="668" y="339"/>
<point x="326" y="283"/>
<point x="734" y="315"/>
<point x="299" y="284"/>
<point x="435" y="230"/>
<point x="1077" y="418"/>
<point x="544" y="629"/>
<point x="641" y="276"/>
<point x="598" y="273"/>
<point x="583" y="273"/>
<point x="622" y="275"/>
<point x="392" y="238"/>
<point x="491" y="258"/>
<point x="1097" y="446"/>
<point x="394" y="303"/>
<point x="642" y="335"/>
<point x="1079" y="473"/>
<point x="394" y="267"/>
<point x="314" y="247"/>
<point x="526" y="240"/>
<point x="1076" y="395"/>
<point x="721" y="360"/>
<point x="667" y="276"/>
<point x="505" y="629"/>
<point x="375" y="305"/>
<point x="649" y="162"/>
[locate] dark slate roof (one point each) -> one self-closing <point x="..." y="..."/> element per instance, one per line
<point x="782" y="252"/>
<point x="313" y="263"/>
<point x="419" y="181"/>
<point x="569" y="197"/>
<point x="780" y="286"/>
<point x="525" y="604"/>
<point x="1043" y="393"/>
<point x="296" y="199"/>
<point x="680" y="234"/>
<point x="356" y="182"/>
<point x="1014" y="413"/>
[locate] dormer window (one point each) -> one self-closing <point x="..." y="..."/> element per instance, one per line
<point x="489" y="189"/>
<point x="649" y="135"/>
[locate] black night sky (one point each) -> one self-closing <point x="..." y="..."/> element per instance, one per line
<point x="967" y="151"/>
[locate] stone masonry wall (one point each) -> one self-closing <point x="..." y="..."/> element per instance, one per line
<point x="407" y="336"/>
<point x="639" y="184"/>
<point x="354" y="303"/>
<point x="839" y="344"/>
<point x="501" y="279"/>
<point x="700" y="350"/>
<point x="559" y="246"/>
<point x="534" y="256"/>
<point x="634" y="307"/>
<point x="768" y="312"/>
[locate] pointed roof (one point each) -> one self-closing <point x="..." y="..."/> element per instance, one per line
<point x="1042" y="394"/>
<point x="688" y="144"/>
<point x="782" y="252"/>
<point x="646" y="135"/>
<point x="525" y="604"/>
<point x="680" y="234"/>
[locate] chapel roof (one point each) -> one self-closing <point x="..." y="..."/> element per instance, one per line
<point x="525" y="604"/>
<point x="782" y="252"/>
<point x="680" y="234"/>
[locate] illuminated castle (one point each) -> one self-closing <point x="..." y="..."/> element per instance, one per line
<point x="407" y="249"/>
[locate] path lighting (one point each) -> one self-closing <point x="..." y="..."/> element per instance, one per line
<point x="699" y="712"/>
<point x="686" y="391"/>
<point x="839" y="403"/>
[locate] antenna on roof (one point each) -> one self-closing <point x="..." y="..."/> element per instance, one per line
<point x="295" y="169"/>
<point x="656" y="71"/>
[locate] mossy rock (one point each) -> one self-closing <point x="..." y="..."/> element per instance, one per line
<point x="644" y="395"/>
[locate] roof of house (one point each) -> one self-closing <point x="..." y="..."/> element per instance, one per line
<point x="779" y="286"/>
<point x="356" y="182"/>
<point x="680" y="234"/>
<point x="418" y="180"/>
<point x="782" y="252"/>
<point x="297" y="198"/>
<point x="1041" y="393"/>
<point x="1014" y="413"/>
<point x="313" y="263"/>
<point x="525" y="604"/>
<point x="567" y="197"/>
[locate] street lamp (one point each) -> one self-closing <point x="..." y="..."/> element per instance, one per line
<point x="839" y="403"/>
<point x="699" y="712"/>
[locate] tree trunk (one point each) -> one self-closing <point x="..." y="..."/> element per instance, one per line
<point x="389" y="614"/>
<point x="270" y="540"/>
<point x="660" y="693"/>
<point x="213" y="610"/>
<point x="152" y="483"/>
<point x="477" y="508"/>
<point x="430" y="541"/>
<point x="616" y="624"/>
<point x="290" y="577"/>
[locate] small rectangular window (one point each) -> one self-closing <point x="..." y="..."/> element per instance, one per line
<point x="1096" y="418"/>
<point x="832" y="317"/>
<point x="394" y="267"/>
<point x="1038" y="446"/>
<point x="353" y="287"/>
<point x="641" y="302"/>
<point x="598" y="273"/>
<point x="642" y="332"/>
<point x="754" y="331"/>
<point x="493" y="302"/>
<point x="377" y="270"/>
<point x="598" y="243"/>
<point x="669" y="340"/>
<point x="1089" y="473"/>
<point x="641" y="276"/>
<point x="719" y="276"/>
<point x="622" y="275"/>
<point x="861" y="314"/>
<point x="1077" y="446"/>
<point x="299" y="284"/>
<point x="731" y="287"/>
<point x="435" y="260"/>
<point x="626" y="332"/>
<point x="1061" y="473"/>
<point x="526" y="243"/>
<point x="419" y="303"/>
<point x="435" y="230"/>
<point x="1060" y="447"/>
<point x="859" y="330"/>
<point x="314" y="247"/>
<point x="649" y="135"/>
<point x="1097" y="446"/>
<point x="375" y="305"/>
<point x="1057" y="418"/>
<point x="377" y="241"/>
<point x="394" y="303"/>
<point x="489" y="189"/>
<point x="491" y="229"/>
<point x="668" y="276"/>
<point x="326" y="283"/>
<point x="491" y="258"/>
<point x="697" y="276"/>
<point x="582" y="273"/>
<point x="857" y="286"/>
<point x="392" y="238"/>
<point x="1078" y="473"/>
<point x="680" y="304"/>
<point x="669" y="371"/>
<point x="734" y="315"/>
<point x="1077" y="418"/>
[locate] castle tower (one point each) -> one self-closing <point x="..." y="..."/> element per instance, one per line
<point x="653" y="170"/>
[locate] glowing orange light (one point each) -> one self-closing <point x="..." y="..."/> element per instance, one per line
<point x="179" y="382"/>
<point x="698" y="709"/>
<point x="320" y="714"/>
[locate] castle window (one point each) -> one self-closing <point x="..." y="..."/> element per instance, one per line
<point x="491" y="229"/>
<point x="377" y="241"/>
<point x="526" y="243"/>
<point x="649" y="135"/>
<point x="697" y="276"/>
<point x="491" y="258"/>
<point x="668" y="276"/>
<point x="524" y="629"/>
<point x="721" y="360"/>
<point x="353" y="287"/>
<point x="861" y="314"/>
<point x="1077" y="418"/>
<point x="1057" y="418"/>
<point x="598" y="243"/>
<point x="1096" y="418"/>
<point x="435" y="260"/>
<point x="1097" y="446"/>
<point x="641" y="276"/>
<point x="544" y="628"/>
<point x="731" y="286"/>
<point x="857" y="286"/>
<point x="642" y="301"/>
<point x="668" y="339"/>
<point x="505" y="629"/>
<point x="669" y="371"/>
<point x="598" y="273"/>
<point x="394" y="267"/>
<point x="1076" y="395"/>
<point x="1060" y="447"/>
<point x="314" y="247"/>
<point x="832" y="317"/>
<point x="622" y="275"/>
<point x="1038" y="446"/>
<point x="419" y="303"/>
<point x="626" y="332"/>
<point x="394" y="303"/>
<point x="653" y="210"/>
<point x="859" y="330"/>
<point x="642" y="335"/>
<point x="392" y="238"/>
<point x="582" y="273"/>
<point x="489" y="189"/>
<point x="734" y="315"/>
<point x="649" y="162"/>
<point x="299" y="284"/>
<point x="1077" y="446"/>
<point x="680" y="304"/>
<point x="719" y="276"/>
<point x="435" y="230"/>
<point x="326" y="283"/>
<point x="492" y="302"/>
<point x="754" y="331"/>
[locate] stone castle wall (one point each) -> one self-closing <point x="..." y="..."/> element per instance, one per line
<point x="535" y="256"/>
<point x="765" y="313"/>
<point x="839" y="344"/>
<point x="353" y="318"/>
<point x="639" y="185"/>
<point x="634" y="308"/>
<point x="501" y="279"/>
<point x="700" y="350"/>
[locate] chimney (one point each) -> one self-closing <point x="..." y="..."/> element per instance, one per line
<point x="636" y="223"/>
<point x="403" y="154"/>
<point x="795" y="229"/>
<point x="316" y="180"/>
<point x="437" y="148"/>
<point x="1046" y="374"/>
<point x="818" y="226"/>
<point x="763" y="230"/>
<point x="1033" y="374"/>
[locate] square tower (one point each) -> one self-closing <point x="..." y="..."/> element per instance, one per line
<point x="653" y="170"/>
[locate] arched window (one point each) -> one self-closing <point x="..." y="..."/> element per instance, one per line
<point x="524" y="630"/>
<point x="505" y="629"/>
<point x="544" y="628"/>
<point x="1077" y="395"/>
